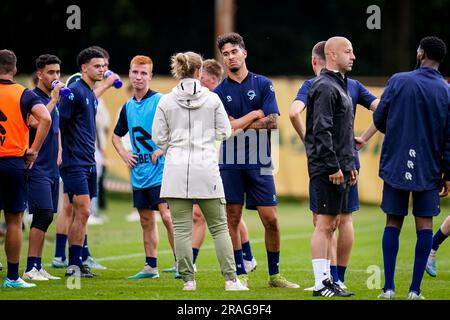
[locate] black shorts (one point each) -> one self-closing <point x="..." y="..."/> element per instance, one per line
<point x="331" y="199"/>
<point x="13" y="185"/>
<point x="148" y="198"/>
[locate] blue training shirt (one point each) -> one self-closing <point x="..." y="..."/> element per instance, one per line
<point x="250" y="149"/>
<point x="136" y="117"/>
<point x="357" y="91"/>
<point x="46" y="162"/>
<point x="77" y="123"/>
<point x="414" y="115"/>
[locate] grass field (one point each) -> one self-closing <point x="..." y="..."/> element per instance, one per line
<point x="118" y="245"/>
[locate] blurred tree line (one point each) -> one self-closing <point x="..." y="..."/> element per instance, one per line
<point x="279" y="35"/>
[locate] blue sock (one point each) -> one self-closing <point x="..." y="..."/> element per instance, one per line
<point x="150" y="261"/>
<point x="31" y="263"/>
<point x="13" y="271"/>
<point x="85" y="252"/>
<point x="423" y="248"/>
<point x="75" y="256"/>
<point x="334" y="273"/>
<point x="390" y="249"/>
<point x="273" y="260"/>
<point x="39" y="263"/>
<point x="195" y="254"/>
<point x="60" y="249"/>
<point x="341" y="273"/>
<point x="438" y="238"/>
<point x="247" y="251"/>
<point x="239" y="260"/>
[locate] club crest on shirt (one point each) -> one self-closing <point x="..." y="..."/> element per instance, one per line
<point x="251" y="94"/>
<point x="87" y="101"/>
<point x="229" y="99"/>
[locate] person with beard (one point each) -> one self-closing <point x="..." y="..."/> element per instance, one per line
<point x="43" y="177"/>
<point x="246" y="165"/>
<point x="414" y="115"/>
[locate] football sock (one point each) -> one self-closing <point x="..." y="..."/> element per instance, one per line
<point x="341" y="273"/>
<point x="13" y="271"/>
<point x="247" y="251"/>
<point x="423" y="247"/>
<point x="194" y="254"/>
<point x="31" y="263"/>
<point x="38" y="263"/>
<point x="328" y="269"/>
<point x="85" y="252"/>
<point x="75" y="255"/>
<point x="150" y="261"/>
<point x="320" y="272"/>
<point x="239" y="260"/>
<point x="390" y="249"/>
<point x="60" y="249"/>
<point x="273" y="262"/>
<point x="334" y="273"/>
<point x="438" y="238"/>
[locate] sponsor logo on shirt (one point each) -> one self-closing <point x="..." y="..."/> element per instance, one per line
<point x="251" y="94"/>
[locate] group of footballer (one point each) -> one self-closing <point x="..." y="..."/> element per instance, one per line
<point x="49" y="133"/>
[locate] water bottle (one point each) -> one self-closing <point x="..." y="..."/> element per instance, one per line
<point x="117" y="83"/>
<point x="64" y="91"/>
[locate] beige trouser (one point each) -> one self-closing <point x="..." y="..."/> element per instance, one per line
<point x="216" y="219"/>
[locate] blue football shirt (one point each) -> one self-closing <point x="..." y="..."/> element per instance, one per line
<point x="77" y="124"/>
<point x="249" y="149"/>
<point x="46" y="162"/>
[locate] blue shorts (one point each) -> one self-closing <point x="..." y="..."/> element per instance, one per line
<point x="259" y="190"/>
<point x="352" y="205"/>
<point x="396" y="202"/>
<point x="148" y="198"/>
<point x="79" y="181"/>
<point x="13" y="186"/>
<point x="43" y="193"/>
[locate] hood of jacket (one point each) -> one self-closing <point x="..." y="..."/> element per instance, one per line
<point x="190" y="94"/>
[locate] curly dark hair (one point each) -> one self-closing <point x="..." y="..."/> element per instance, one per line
<point x="434" y="48"/>
<point x="87" y="55"/>
<point x="233" y="38"/>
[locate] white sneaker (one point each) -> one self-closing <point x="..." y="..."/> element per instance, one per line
<point x="235" y="285"/>
<point x="95" y="221"/>
<point x="250" y="265"/>
<point x="133" y="216"/>
<point x="388" y="294"/>
<point x="415" y="296"/>
<point x="342" y="285"/>
<point x="190" y="286"/>
<point x="92" y="264"/>
<point x="34" y="275"/>
<point x="47" y="275"/>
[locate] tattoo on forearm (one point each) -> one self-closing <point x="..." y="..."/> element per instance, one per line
<point x="269" y="122"/>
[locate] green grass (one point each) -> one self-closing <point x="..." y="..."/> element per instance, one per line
<point x="118" y="245"/>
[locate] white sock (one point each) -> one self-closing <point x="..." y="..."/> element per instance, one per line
<point x="320" y="272"/>
<point x="328" y="269"/>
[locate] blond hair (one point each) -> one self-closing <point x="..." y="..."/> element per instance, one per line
<point x="213" y="67"/>
<point x="184" y="64"/>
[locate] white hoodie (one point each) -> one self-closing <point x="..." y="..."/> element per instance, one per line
<point x="187" y="122"/>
